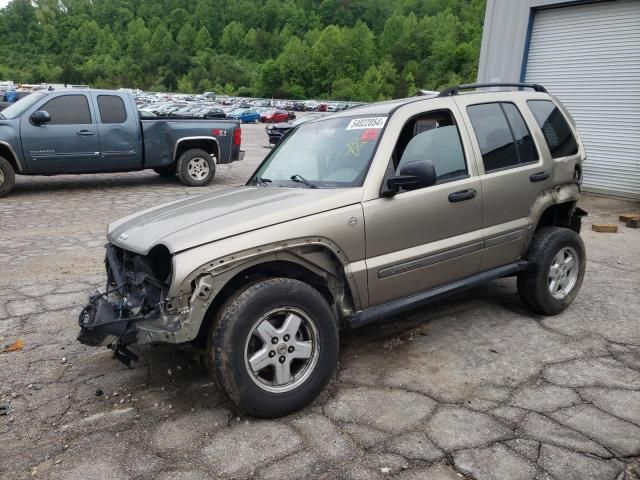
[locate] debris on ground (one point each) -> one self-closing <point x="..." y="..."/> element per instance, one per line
<point x="14" y="347"/>
<point x="5" y="408"/>
<point x="625" y="217"/>
<point x="634" y="222"/>
<point x="605" y="227"/>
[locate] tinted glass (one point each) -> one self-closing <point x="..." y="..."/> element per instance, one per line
<point x="524" y="142"/>
<point x="494" y="136"/>
<point x="111" y="109"/>
<point x="68" y="110"/>
<point x="440" y="144"/>
<point x="554" y="127"/>
<point x="16" y="109"/>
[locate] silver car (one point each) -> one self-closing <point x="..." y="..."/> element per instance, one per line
<point x="353" y="217"/>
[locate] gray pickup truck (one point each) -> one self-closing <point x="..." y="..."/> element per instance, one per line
<point x="97" y="131"/>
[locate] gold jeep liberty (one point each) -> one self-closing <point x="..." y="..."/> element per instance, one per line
<point x="353" y="217"/>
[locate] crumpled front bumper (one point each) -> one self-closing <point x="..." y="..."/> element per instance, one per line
<point x="100" y="323"/>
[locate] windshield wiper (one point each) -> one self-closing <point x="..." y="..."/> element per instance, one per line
<point x="262" y="181"/>
<point x="300" y="179"/>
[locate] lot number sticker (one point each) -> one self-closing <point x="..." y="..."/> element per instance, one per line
<point x="364" y="123"/>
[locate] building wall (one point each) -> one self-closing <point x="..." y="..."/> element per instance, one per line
<point x="504" y="38"/>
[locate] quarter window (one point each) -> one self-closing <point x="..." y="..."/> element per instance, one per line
<point x="554" y="127"/>
<point x="433" y="137"/>
<point x="503" y="136"/>
<point x="68" y="110"/>
<point x="111" y="109"/>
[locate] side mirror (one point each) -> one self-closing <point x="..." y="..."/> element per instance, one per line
<point x="40" y="117"/>
<point x="413" y="175"/>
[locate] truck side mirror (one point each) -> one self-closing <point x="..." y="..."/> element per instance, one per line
<point x="413" y="175"/>
<point x="40" y="117"/>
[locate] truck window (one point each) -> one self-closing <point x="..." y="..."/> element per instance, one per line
<point x="111" y="109"/>
<point x="503" y="136"/>
<point x="432" y="137"/>
<point x="554" y="127"/>
<point x="68" y="110"/>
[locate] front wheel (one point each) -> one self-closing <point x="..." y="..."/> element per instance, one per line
<point x="7" y="177"/>
<point x="274" y="347"/>
<point x="557" y="260"/>
<point x="196" y="168"/>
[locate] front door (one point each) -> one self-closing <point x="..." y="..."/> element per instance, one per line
<point x="423" y="238"/>
<point x="68" y="143"/>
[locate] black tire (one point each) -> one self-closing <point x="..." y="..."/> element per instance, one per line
<point x="7" y="177"/>
<point x="191" y="177"/>
<point x="169" y="171"/>
<point x="230" y="339"/>
<point x="534" y="285"/>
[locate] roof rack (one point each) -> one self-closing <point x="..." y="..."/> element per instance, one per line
<point x="455" y="90"/>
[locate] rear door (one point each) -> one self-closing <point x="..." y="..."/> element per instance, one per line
<point x="69" y="142"/>
<point x="513" y="170"/>
<point x="119" y="131"/>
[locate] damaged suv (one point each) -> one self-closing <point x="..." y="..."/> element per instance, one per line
<point x="353" y="217"/>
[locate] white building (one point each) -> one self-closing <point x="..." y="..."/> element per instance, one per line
<point x="587" y="53"/>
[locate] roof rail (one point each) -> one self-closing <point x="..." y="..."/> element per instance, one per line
<point x="455" y="90"/>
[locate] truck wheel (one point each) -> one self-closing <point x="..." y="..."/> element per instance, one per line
<point x="196" y="168"/>
<point x="274" y="347"/>
<point x="557" y="262"/>
<point x="7" y="177"/>
<point x="169" y="171"/>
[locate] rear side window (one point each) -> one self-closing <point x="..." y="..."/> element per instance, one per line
<point x="503" y="136"/>
<point x="68" y="110"/>
<point x="554" y="127"/>
<point x="111" y="109"/>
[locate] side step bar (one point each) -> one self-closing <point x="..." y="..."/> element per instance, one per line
<point x="381" y="312"/>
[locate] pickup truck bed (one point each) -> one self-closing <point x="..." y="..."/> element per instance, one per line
<point x="96" y="131"/>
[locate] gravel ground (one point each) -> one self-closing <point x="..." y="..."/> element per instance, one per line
<point x="472" y="387"/>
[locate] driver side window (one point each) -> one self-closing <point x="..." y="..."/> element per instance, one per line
<point x="433" y="137"/>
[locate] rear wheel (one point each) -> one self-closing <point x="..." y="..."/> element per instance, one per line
<point x="274" y="347"/>
<point x="196" y="168"/>
<point x="7" y="177"/>
<point x="557" y="259"/>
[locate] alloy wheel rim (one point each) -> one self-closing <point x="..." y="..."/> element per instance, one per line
<point x="281" y="350"/>
<point x="1" y="178"/>
<point x="563" y="273"/>
<point x="198" y="168"/>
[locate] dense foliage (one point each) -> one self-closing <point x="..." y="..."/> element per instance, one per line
<point x="342" y="49"/>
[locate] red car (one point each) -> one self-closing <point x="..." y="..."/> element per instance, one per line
<point x="322" y="107"/>
<point x="274" y="116"/>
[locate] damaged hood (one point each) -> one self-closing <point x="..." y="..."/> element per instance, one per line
<point x="191" y="222"/>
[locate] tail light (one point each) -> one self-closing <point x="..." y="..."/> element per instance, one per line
<point x="237" y="137"/>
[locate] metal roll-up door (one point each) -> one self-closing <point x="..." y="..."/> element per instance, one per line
<point x="589" y="57"/>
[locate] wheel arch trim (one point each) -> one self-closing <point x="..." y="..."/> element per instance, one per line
<point x="15" y="156"/>
<point x="187" y="139"/>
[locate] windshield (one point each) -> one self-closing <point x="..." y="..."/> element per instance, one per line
<point x="332" y="153"/>
<point x="22" y="105"/>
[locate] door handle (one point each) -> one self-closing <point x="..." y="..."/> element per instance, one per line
<point x="539" y="177"/>
<point x="85" y="132"/>
<point x="462" y="195"/>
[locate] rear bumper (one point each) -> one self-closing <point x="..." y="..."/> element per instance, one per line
<point x="237" y="155"/>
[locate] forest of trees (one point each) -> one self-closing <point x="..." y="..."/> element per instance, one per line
<point x="342" y="49"/>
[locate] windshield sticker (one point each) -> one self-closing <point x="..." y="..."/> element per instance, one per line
<point x="354" y="148"/>
<point x="369" y="135"/>
<point x="364" y="123"/>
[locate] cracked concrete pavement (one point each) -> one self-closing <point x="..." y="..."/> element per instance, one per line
<point x="472" y="387"/>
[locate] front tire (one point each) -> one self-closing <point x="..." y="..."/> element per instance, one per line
<point x="196" y="168"/>
<point x="7" y="177"/>
<point x="557" y="260"/>
<point x="274" y="347"/>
